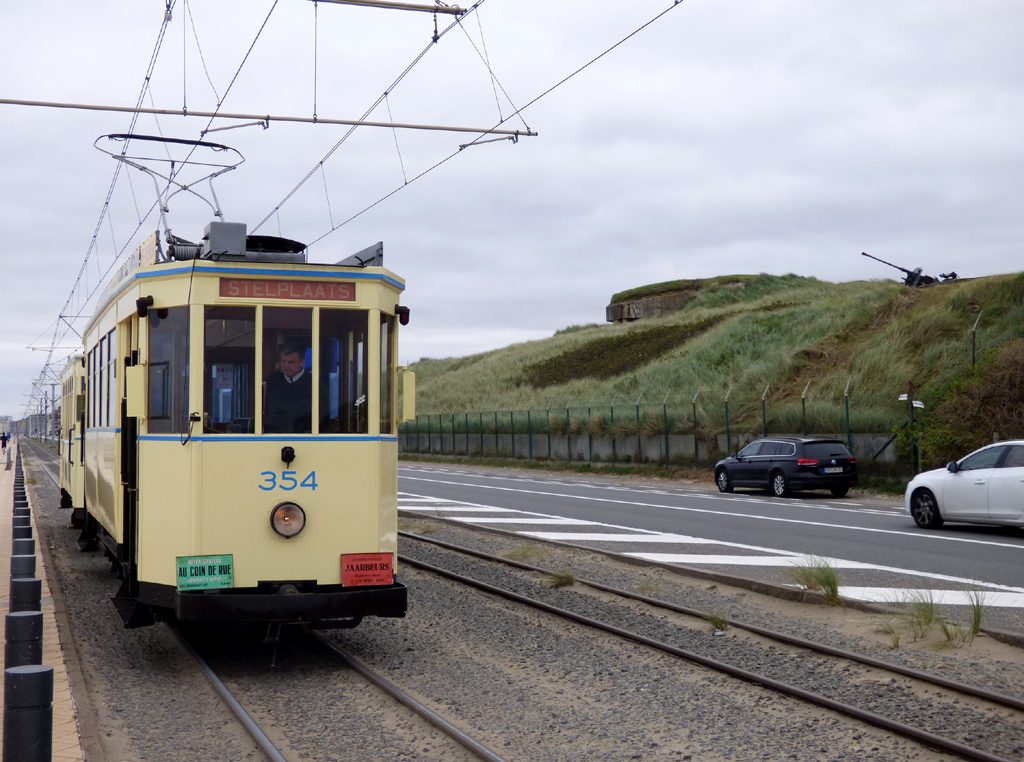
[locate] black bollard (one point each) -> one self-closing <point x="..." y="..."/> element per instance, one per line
<point x="28" y="714"/>
<point x="23" y="547"/>
<point x="23" y="566"/>
<point x="21" y="533"/>
<point x="26" y="594"/>
<point x="21" y="512"/>
<point x="21" y="521"/>
<point x="24" y="635"/>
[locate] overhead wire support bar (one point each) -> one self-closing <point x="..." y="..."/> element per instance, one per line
<point x="267" y="118"/>
<point x="451" y="9"/>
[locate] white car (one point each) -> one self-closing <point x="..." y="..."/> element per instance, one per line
<point x="985" y="487"/>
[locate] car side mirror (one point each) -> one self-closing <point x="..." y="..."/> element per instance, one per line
<point x="734" y="455"/>
<point x="952" y="467"/>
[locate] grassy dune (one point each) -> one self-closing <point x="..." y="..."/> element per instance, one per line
<point x="741" y="335"/>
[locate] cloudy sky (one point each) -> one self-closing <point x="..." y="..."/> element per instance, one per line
<point x="727" y="137"/>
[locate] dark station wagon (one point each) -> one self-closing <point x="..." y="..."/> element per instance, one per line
<point x="788" y="464"/>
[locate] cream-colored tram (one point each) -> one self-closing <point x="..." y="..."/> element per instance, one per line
<point x="72" y="434"/>
<point x="241" y="440"/>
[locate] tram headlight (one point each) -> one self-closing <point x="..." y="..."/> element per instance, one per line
<point x="287" y="519"/>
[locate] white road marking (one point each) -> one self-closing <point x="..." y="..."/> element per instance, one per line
<point x="945" y="597"/>
<point x="524" y="520"/>
<point x="609" y="537"/>
<point x="692" y="559"/>
<point x="1008" y="596"/>
<point x="683" y="509"/>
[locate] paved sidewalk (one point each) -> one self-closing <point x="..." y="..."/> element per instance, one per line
<point x="66" y="743"/>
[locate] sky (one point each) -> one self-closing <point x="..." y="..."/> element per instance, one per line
<point x="777" y="136"/>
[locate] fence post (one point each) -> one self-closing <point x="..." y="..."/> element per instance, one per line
<point x="481" y="433"/>
<point x="803" y="404"/>
<point x="547" y="418"/>
<point x="974" y="340"/>
<point x="728" y="434"/>
<point x="664" y="415"/>
<point x="764" y="414"/>
<point x="568" y="432"/>
<point x="529" y="433"/>
<point x="512" y="432"/>
<point x="612" y="427"/>
<point x="639" y="436"/>
<point x="696" y="445"/>
<point x="846" y="398"/>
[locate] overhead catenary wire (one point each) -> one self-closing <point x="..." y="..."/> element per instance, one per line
<point x="484" y="138"/>
<point x="405" y="72"/>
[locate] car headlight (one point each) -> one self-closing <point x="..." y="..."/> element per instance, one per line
<point x="287" y="519"/>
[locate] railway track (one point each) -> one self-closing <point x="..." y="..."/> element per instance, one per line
<point x="313" y="643"/>
<point x="918" y="726"/>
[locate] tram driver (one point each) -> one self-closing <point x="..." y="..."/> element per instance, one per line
<point x="289" y="395"/>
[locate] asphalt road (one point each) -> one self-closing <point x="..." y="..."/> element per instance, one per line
<point x="872" y="540"/>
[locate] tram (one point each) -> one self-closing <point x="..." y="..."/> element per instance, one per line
<point x="240" y="447"/>
<point x="72" y="433"/>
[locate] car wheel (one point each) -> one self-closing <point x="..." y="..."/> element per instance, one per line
<point x="722" y="480"/>
<point x="839" y="491"/>
<point x="780" y="487"/>
<point x="925" y="510"/>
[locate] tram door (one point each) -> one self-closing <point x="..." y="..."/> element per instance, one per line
<point x="133" y="614"/>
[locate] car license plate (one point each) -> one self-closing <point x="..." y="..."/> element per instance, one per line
<point x="833" y="470"/>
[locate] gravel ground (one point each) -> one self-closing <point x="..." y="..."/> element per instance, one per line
<point x="998" y="731"/>
<point x="533" y="687"/>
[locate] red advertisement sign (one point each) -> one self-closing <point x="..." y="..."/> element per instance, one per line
<point x="367" y="569"/>
<point x="309" y="290"/>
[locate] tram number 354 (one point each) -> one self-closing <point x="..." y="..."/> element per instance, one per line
<point x="287" y="480"/>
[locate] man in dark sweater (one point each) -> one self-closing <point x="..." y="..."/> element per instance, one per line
<point x="289" y="395"/>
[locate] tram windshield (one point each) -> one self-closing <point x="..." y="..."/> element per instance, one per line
<point x="263" y="359"/>
<point x="168" y="370"/>
<point x="287" y="370"/>
<point x="343" y="371"/>
<point x="229" y="397"/>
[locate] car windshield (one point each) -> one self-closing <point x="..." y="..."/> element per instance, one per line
<point x="822" y="450"/>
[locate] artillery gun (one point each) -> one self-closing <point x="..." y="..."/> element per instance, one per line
<point x="915" y="277"/>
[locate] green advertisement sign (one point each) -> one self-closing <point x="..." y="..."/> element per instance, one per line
<point x="205" y="572"/>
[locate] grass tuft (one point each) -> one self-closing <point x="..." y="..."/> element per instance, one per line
<point x="819" y="575"/>
<point x="719" y="622"/>
<point x="890" y="626"/>
<point x="976" y="607"/>
<point x="562" y="578"/>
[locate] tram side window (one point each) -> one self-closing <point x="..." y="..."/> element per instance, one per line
<point x="287" y="370"/>
<point x="91" y="374"/>
<point x="387" y="371"/>
<point x="101" y="390"/>
<point x="168" y="370"/>
<point x="112" y="398"/>
<point x="344" y="371"/>
<point x="229" y="394"/>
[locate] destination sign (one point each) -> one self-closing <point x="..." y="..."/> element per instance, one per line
<point x="206" y="572"/>
<point x="367" y="569"/>
<point x="308" y="290"/>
